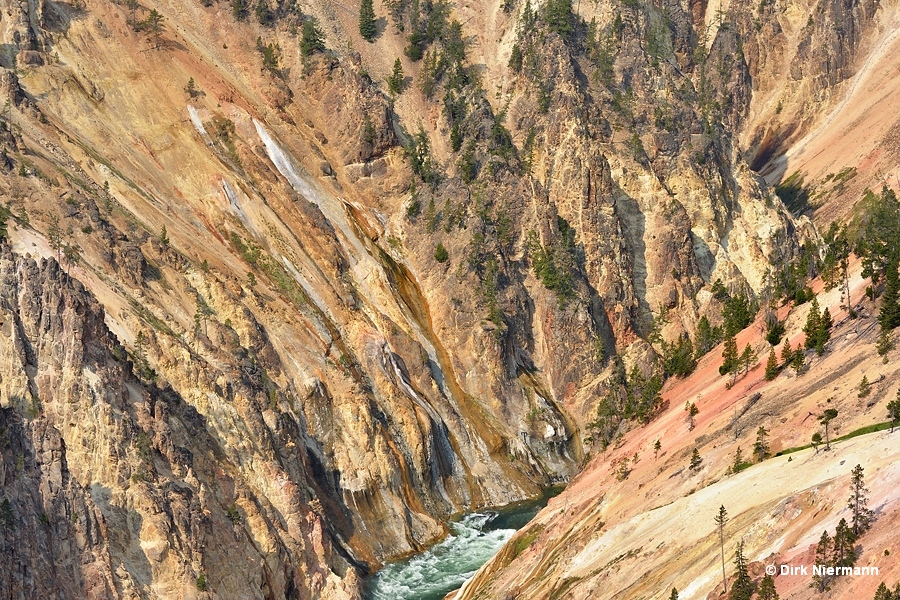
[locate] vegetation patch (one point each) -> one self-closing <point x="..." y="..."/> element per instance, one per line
<point x="794" y="193"/>
<point x="524" y="541"/>
<point x="257" y="257"/>
<point x="554" y="264"/>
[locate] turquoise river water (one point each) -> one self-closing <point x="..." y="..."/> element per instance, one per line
<point x="474" y="538"/>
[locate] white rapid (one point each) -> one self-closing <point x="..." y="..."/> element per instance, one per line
<point x="443" y="567"/>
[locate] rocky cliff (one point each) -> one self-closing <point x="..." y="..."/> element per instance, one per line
<point x="116" y="487"/>
<point x="351" y="313"/>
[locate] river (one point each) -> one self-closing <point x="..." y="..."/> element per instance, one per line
<point x="474" y="538"/>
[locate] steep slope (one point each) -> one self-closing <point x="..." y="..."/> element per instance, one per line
<point x="639" y="536"/>
<point x="823" y="86"/>
<point x="858" y="136"/>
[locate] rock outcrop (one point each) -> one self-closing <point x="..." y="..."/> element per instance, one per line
<point x="114" y="487"/>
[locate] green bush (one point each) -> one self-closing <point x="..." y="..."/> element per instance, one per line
<point x="528" y="538"/>
<point x="774" y="332"/>
<point x="554" y="265"/>
<point x="6" y="514"/>
<point x="311" y="39"/>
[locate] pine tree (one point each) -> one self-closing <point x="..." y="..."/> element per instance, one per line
<point x="696" y="461"/>
<point x="692" y="411"/>
<point x="798" y="360"/>
<point x="729" y="356"/>
<point x="7" y="518"/>
<point x="558" y="14"/>
<point x="821" y="581"/>
<point x="414" y="51"/>
<point x="864" y="387"/>
<point x="239" y="9"/>
<point x="674" y="594"/>
<point x="163" y="236"/>
<point x="191" y="88"/>
<point x="440" y="253"/>
<point x="263" y="13"/>
<point x="883" y="593"/>
<point x="270" y="55"/>
<point x="884" y="344"/>
<point x="894" y="411"/>
<point x="145" y="371"/>
<point x="787" y="353"/>
<point x="5" y="213"/>
<point x="738" y="463"/>
<point x="862" y="516"/>
<point x="747" y="358"/>
<point x="71" y="256"/>
<point x="656" y="448"/>
<point x="825" y="324"/>
<point x="396" y="10"/>
<point x="825" y="418"/>
<point x="889" y="317"/>
<point x="528" y="15"/>
<point x="132" y="8"/>
<point x="843" y="553"/>
<point x="154" y="24"/>
<point x="742" y="589"/>
<point x="835" y="267"/>
<point x="202" y="312"/>
<point x="468" y="167"/>
<point x="368" y="29"/>
<point x="707" y="336"/>
<point x="816" y="441"/>
<point x="771" y="366"/>
<point x="395" y="81"/>
<point x="879" y="227"/>
<point x="721" y="519"/>
<point x="54" y="234"/>
<point x="311" y="39"/>
<point x="774" y="329"/>
<point x="767" y="589"/>
<point x="813" y="322"/>
<point x="369" y="132"/>
<point x="761" y="447"/>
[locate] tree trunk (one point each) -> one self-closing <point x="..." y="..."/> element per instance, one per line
<point x="722" y="548"/>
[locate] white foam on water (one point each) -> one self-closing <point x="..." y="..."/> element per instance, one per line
<point x="443" y="567"/>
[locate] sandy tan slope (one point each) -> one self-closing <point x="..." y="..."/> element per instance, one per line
<point x="637" y="538"/>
